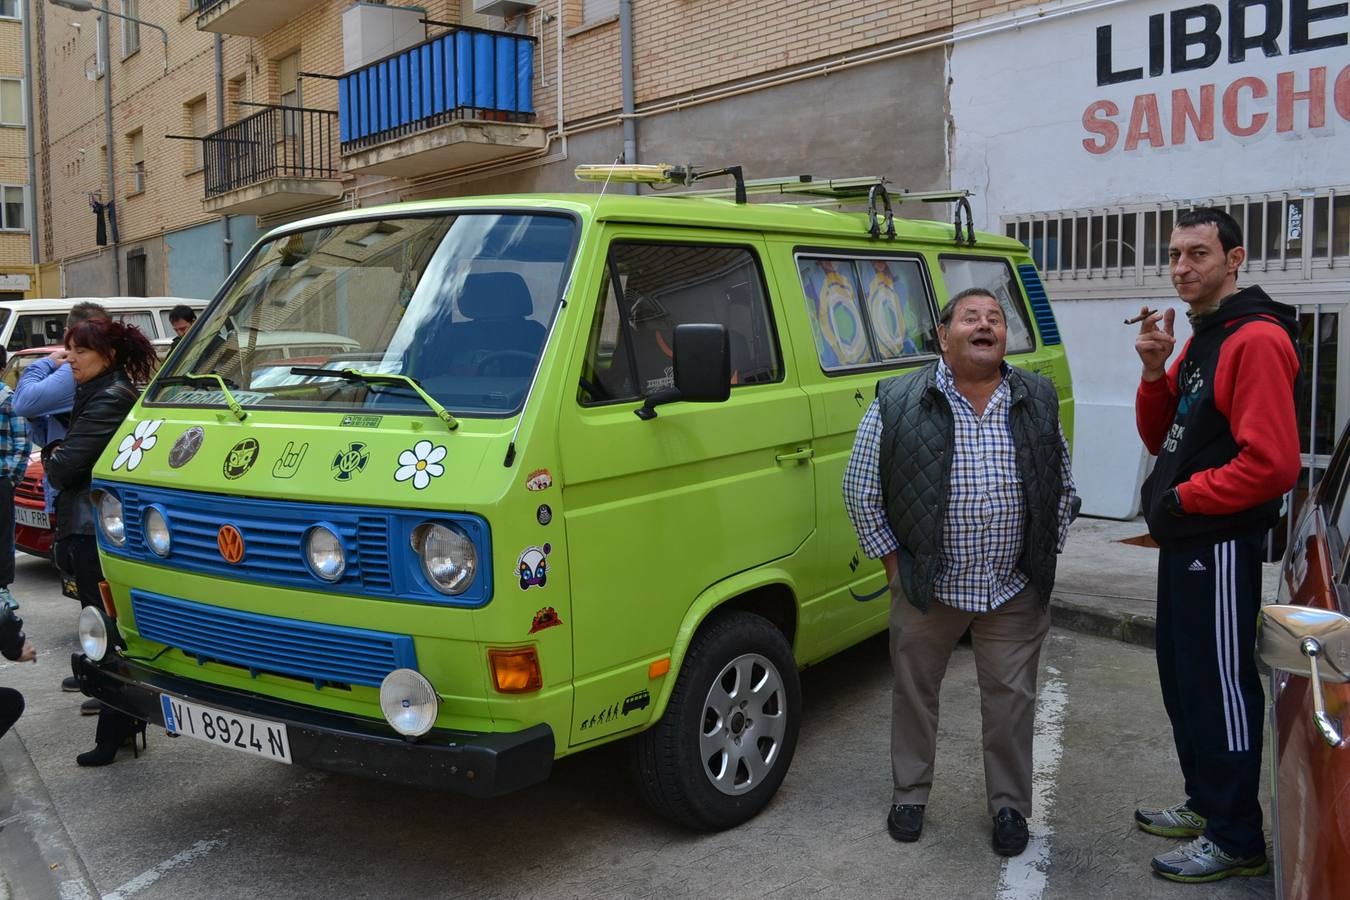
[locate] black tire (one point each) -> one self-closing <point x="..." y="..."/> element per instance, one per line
<point x="673" y="776"/>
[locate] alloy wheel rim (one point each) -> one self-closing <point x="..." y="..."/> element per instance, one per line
<point x="742" y="725"/>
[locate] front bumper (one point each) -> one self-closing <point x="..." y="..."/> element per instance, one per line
<point x="480" y="765"/>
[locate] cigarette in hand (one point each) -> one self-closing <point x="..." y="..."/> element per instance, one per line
<point x="1141" y="317"/>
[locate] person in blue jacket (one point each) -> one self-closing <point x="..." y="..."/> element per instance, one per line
<point x="43" y="397"/>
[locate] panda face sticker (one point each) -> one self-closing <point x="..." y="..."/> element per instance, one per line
<point x="532" y="567"/>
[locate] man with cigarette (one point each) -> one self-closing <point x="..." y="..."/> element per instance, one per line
<point x="959" y="481"/>
<point x="1221" y="421"/>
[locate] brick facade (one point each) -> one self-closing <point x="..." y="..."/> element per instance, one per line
<point x="681" y="49"/>
<point x="15" y="248"/>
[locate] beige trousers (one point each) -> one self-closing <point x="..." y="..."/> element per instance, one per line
<point x="1007" y="643"/>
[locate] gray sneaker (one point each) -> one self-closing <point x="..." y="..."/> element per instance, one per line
<point x="1175" y="821"/>
<point x="1203" y="860"/>
<point x="7" y="599"/>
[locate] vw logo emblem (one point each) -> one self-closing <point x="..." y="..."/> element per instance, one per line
<point x="231" y="544"/>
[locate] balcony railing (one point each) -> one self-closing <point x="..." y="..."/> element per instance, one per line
<point x="276" y="142"/>
<point x="463" y="74"/>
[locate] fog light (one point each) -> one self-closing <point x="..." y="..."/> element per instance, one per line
<point x="157" y="532"/>
<point x="324" y="551"/>
<point x="516" y="671"/>
<point x="109" y="509"/>
<point x="409" y="702"/>
<point x="93" y="633"/>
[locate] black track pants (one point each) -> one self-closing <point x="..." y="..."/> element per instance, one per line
<point x="1209" y="596"/>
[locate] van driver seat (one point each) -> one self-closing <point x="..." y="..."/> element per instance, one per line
<point x="496" y="307"/>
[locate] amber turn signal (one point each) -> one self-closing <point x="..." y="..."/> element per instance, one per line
<point x="515" y="671"/>
<point x="106" y="593"/>
<point x="659" y="668"/>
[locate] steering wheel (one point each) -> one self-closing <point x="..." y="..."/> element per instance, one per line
<point x="502" y="356"/>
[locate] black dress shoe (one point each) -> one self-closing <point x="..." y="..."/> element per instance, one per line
<point x="905" y="822"/>
<point x="1010" y="832"/>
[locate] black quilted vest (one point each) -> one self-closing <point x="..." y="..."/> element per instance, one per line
<point x="917" y="431"/>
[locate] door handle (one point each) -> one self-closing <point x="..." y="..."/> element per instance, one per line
<point x="799" y="454"/>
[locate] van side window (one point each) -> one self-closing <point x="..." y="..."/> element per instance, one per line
<point x="995" y="276"/>
<point x="647" y="290"/>
<point x="867" y="310"/>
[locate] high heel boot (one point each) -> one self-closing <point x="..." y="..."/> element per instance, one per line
<point x="114" y="730"/>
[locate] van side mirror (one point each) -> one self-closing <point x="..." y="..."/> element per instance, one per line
<point x="1314" y="643"/>
<point x="702" y="360"/>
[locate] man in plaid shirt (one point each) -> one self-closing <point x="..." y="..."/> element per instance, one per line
<point x="959" y="482"/>
<point x="14" y="449"/>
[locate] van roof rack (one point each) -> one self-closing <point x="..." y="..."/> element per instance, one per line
<point x="873" y="188"/>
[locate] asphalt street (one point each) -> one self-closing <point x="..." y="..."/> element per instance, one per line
<point x="188" y="820"/>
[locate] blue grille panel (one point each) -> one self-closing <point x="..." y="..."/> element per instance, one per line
<point x="270" y="644"/>
<point x="1040" y="304"/>
<point x="376" y="542"/>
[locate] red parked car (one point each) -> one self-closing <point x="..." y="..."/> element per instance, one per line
<point x="1305" y="639"/>
<point x="32" y="525"/>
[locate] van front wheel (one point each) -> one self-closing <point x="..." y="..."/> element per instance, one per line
<point x="727" y="737"/>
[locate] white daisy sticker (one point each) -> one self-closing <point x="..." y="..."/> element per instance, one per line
<point x="134" y="445"/>
<point x="422" y="463"/>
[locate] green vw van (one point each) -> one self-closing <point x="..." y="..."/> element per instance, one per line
<point x="573" y="475"/>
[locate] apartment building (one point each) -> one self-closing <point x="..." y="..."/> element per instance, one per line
<point x="245" y="113"/>
<point x="18" y="277"/>
<point x="1082" y="126"/>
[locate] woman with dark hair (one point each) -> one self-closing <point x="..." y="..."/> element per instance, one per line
<point x="107" y="359"/>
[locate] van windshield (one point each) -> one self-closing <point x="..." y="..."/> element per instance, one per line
<point x="459" y="303"/>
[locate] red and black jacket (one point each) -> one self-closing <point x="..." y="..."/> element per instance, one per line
<point x="1222" y="424"/>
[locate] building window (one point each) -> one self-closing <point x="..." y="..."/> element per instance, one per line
<point x="131" y="31"/>
<point x="12" y="212"/>
<point x="234" y="92"/>
<point x="10" y="9"/>
<point x="11" y="101"/>
<point x="597" y="10"/>
<point x="288" y="88"/>
<point x="198" y="126"/>
<point x="100" y="64"/>
<point x="136" y="286"/>
<point x="136" y="141"/>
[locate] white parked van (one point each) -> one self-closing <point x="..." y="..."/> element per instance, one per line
<point x="39" y="323"/>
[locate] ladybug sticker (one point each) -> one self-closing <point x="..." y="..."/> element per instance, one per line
<point x="545" y="618"/>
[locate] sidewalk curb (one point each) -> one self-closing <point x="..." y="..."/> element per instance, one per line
<point x="1085" y="619"/>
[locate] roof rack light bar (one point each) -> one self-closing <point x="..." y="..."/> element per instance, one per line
<point x="660" y="173"/>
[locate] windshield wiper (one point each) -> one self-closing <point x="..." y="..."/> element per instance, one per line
<point x="211" y="377"/>
<point x="358" y="376"/>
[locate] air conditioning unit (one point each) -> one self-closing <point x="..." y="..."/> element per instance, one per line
<point x="503" y="8"/>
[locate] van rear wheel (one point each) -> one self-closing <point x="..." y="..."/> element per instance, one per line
<point x="724" y="744"/>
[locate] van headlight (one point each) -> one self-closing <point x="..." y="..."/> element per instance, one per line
<point x="110" y="521"/>
<point x="157" y="531"/>
<point x="93" y="630"/>
<point x="448" y="556"/>
<point x="323" y="549"/>
<point x="409" y="702"/>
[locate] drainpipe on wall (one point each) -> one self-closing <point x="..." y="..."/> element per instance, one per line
<point x="228" y="243"/>
<point x="108" y="138"/>
<point x="29" y="125"/>
<point x="630" y="151"/>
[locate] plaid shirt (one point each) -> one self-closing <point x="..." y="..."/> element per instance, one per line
<point x="14" y="444"/>
<point x="984" y="522"/>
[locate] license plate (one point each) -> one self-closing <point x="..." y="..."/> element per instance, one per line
<point x="37" y="518"/>
<point x="255" y="737"/>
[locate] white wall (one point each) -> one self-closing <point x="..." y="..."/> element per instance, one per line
<point x="1029" y="110"/>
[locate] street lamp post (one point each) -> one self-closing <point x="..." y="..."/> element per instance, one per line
<point x="86" y="6"/>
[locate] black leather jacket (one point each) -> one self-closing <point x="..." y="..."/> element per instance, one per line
<point x="100" y="406"/>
